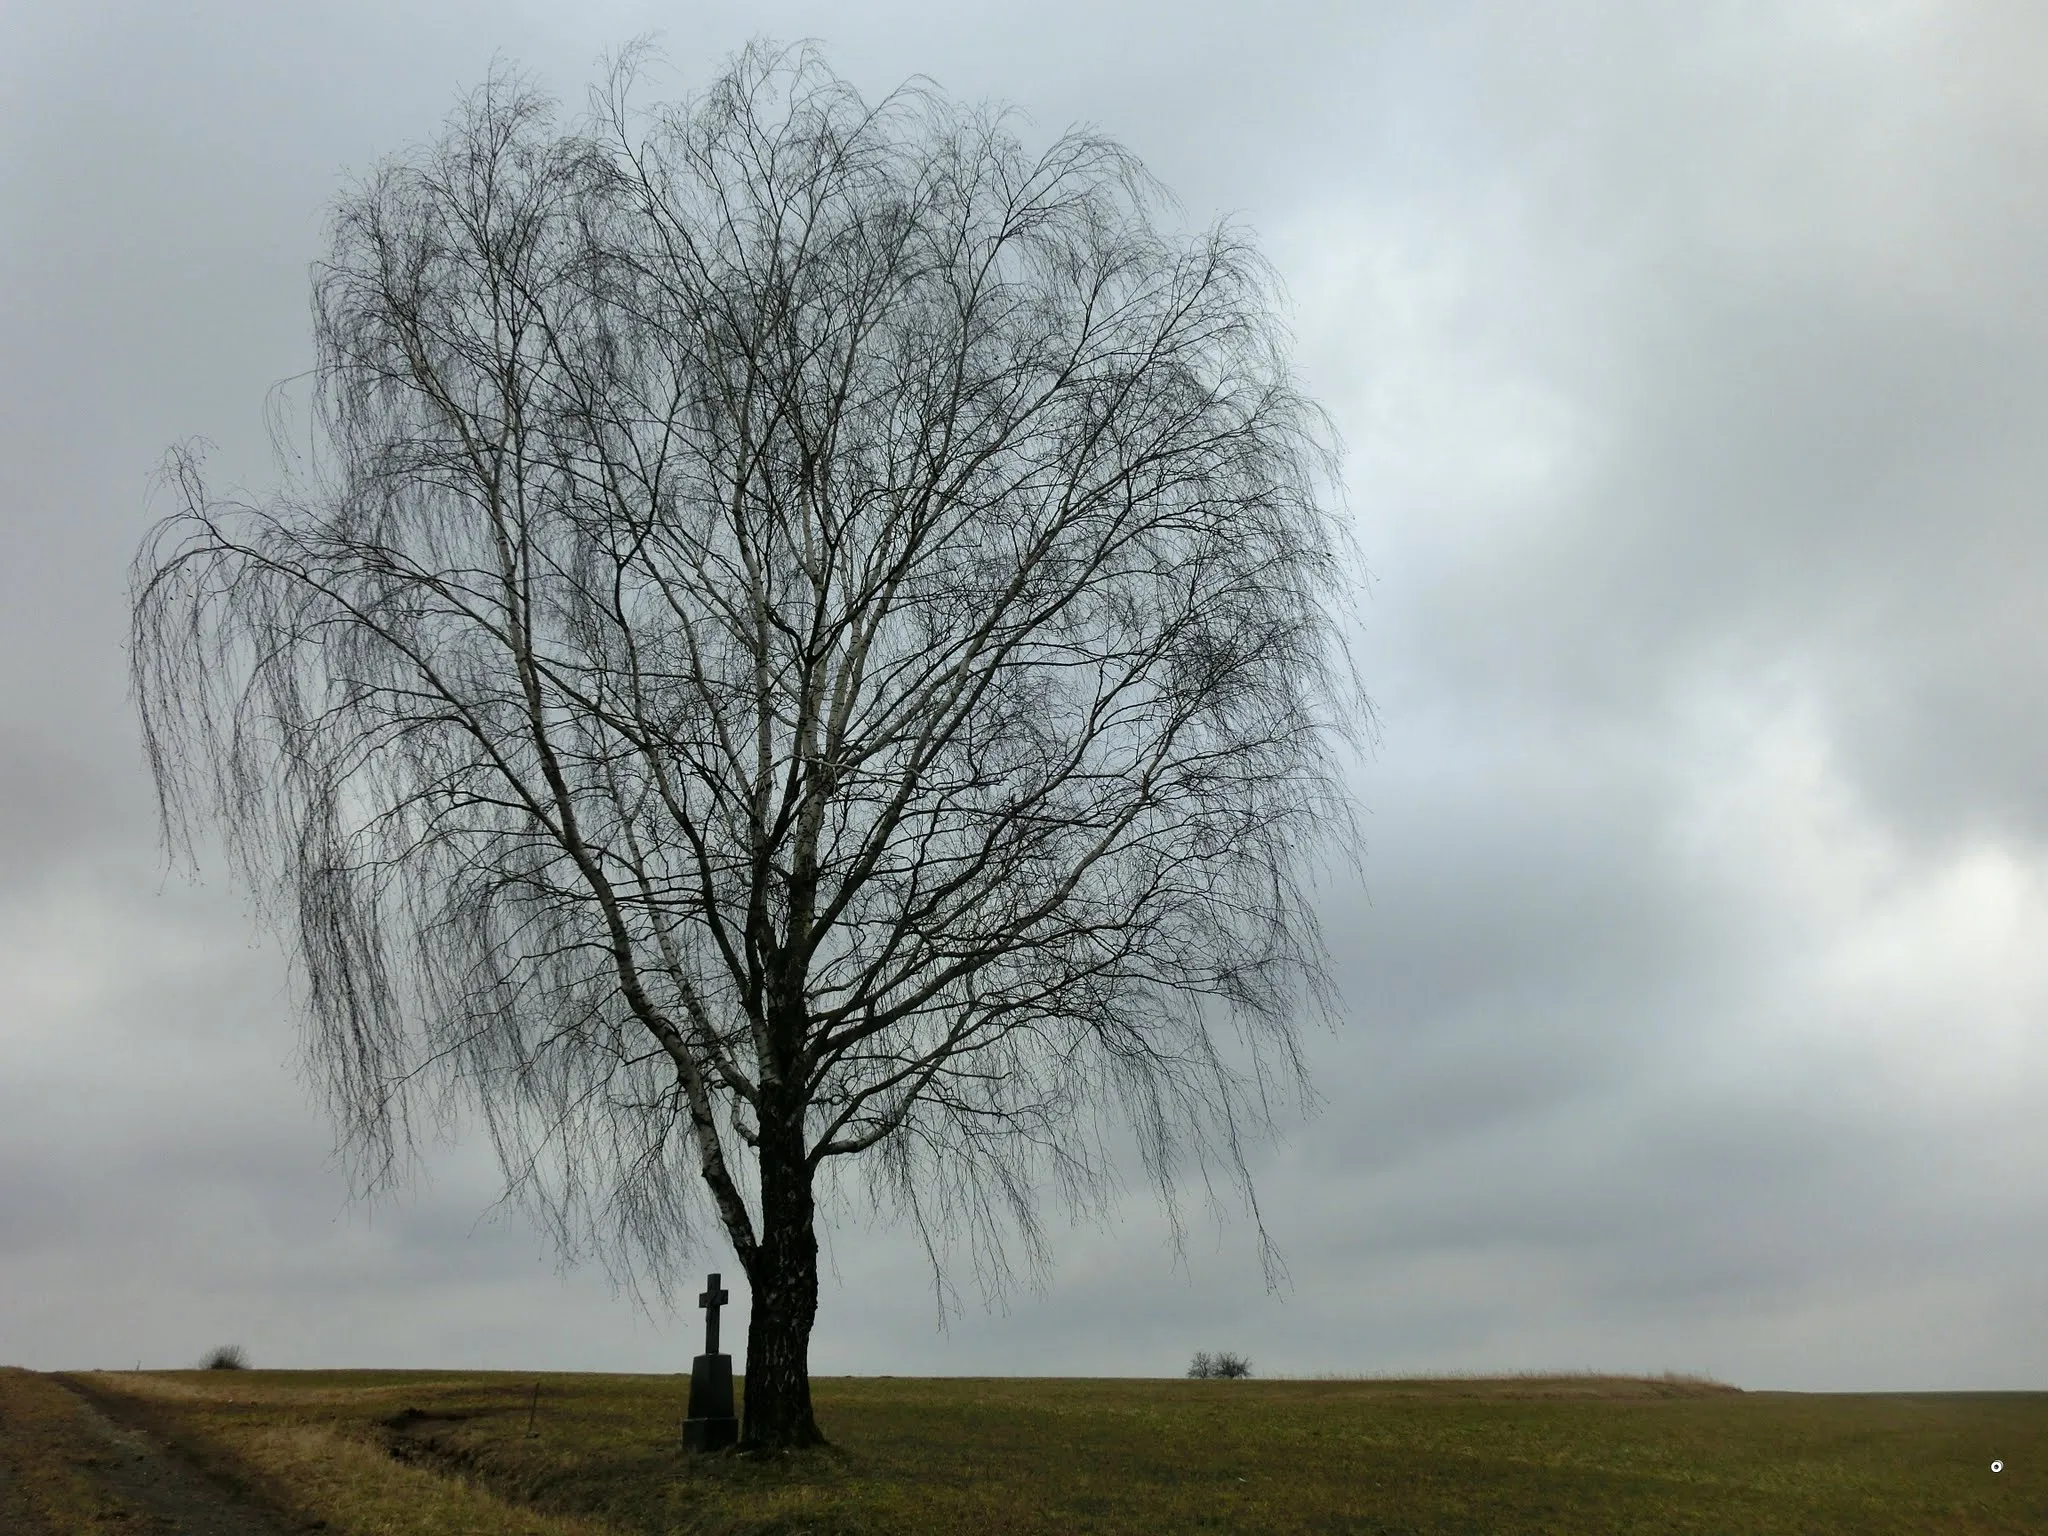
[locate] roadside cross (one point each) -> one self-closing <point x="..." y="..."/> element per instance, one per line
<point x="711" y="1425"/>
<point x="713" y="1298"/>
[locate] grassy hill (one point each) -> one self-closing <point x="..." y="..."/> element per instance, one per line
<point x="433" y="1453"/>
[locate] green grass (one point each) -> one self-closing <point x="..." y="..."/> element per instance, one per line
<point x="1011" y="1457"/>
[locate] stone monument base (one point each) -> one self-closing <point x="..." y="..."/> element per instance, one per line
<point x="711" y="1425"/>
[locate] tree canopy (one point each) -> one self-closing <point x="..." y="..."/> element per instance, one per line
<point x="812" y="638"/>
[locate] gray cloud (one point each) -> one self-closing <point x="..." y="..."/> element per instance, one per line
<point x="1691" y="363"/>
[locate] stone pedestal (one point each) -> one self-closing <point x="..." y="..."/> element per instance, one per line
<point x="711" y="1425"/>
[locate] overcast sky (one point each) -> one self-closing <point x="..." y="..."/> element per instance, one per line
<point x="1692" y="360"/>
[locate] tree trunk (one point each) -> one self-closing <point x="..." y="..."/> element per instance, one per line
<point x="784" y="1279"/>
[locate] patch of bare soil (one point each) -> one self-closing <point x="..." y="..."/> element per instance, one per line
<point x="176" y="1497"/>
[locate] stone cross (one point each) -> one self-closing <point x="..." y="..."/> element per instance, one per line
<point x="711" y="1425"/>
<point x="713" y="1298"/>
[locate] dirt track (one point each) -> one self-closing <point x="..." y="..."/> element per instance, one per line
<point x="15" y="1515"/>
<point x="69" y="1465"/>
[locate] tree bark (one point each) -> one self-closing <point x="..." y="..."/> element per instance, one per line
<point x="783" y="1275"/>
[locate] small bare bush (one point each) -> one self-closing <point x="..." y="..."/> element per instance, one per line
<point x="228" y="1357"/>
<point x="1221" y="1366"/>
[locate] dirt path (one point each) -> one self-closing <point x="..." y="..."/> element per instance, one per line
<point x="16" y="1518"/>
<point x="76" y="1469"/>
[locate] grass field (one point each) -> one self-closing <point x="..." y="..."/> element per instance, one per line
<point x="430" y="1454"/>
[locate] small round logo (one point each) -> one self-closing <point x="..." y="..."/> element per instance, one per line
<point x="1998" y="1466"/>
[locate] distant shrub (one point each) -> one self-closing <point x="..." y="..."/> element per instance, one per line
<point x="1222" y="1366"/>
<point x="228" y="1357"/>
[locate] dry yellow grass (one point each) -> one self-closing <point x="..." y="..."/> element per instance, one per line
<point x="436" y="1453"/>
<point x="360" y="1491"/>
<point x="300" y="1457"/>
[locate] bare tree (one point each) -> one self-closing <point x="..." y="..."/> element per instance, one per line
<point x="808" y="632"/>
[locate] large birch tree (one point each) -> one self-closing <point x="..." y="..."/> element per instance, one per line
<point x="810" y="641"/>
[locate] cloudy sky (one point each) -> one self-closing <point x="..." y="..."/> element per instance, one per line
<point x="1693" y="365"/>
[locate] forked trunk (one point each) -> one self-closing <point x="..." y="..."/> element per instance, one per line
<point x="784" y="1279"/>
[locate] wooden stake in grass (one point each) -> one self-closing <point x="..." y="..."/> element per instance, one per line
<point x="531" y="1409"/>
